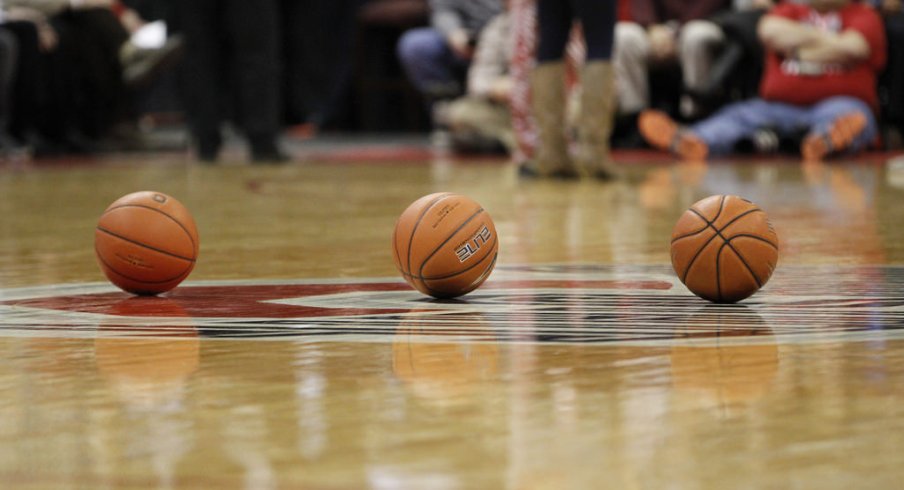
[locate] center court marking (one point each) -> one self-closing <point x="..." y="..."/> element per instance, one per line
<point x="562" y="304"/>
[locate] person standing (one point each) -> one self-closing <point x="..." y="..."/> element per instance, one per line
<point x="552" y="159"/>
<point x="232" y="57"/>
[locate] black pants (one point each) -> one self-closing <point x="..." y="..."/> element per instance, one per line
<point x="317" y="79"/>
<point x="90" y="42"/>
<point x="555" y="18"/>
<point x="34" y="105"/>
<point x="231" y="59"/>
<point x="891" y="83"/>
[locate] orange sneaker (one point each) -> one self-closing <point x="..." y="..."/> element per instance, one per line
<point x="843" y="131"/>
<point x="663" y="133"/>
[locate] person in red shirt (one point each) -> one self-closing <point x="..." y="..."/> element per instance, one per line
<point x="822" y="62"/>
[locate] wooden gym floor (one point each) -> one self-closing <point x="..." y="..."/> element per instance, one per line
<point x="295" y="357"/>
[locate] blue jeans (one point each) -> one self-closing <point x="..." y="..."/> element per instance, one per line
<point x="430" y="63"/>
<point x="740" y="120"/>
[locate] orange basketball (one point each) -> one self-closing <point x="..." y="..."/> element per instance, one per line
<point x="724" y="248"/>
<point x="445" y="245"/>
<point x="146" y="242"/>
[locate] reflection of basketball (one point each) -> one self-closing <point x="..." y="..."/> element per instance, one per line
<point x="146" y="242"/>
<point x="445" y="245"/>
<point x="725" y="355"/>
<point x="724" y="249"/>
<point x="147" y="371"/>
<point x="443" y="358"/>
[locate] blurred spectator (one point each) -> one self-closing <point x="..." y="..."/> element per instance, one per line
<point x="891" y="83"/>
<point x="316" y="80"/>
<point x="734" y="55"/>
<point x="9" y="51"/>
<point x="523" y="19"/>
<point x="662" y="32"/>
<point x="69" y="83"/>
<point x="820" y="75"/>
<point x="547" y="83"/>
<point x="436" y="58"/>
<point x="79" y="73"/>
<point x="232" y="58"/>
<point x="26" y="85"/>
<point x="481" y="120"/>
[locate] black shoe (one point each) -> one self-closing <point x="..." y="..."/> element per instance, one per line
<point x="209" y="148"/>
<point x="527" y="171"/>
<point x="264" y="150"/>
<point x="275" y="157"/>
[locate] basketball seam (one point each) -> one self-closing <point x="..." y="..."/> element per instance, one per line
<point x="418" y="223"/>
<point x="717" y="234"/>
<point x="438" y="247"/>
<point x="483" y="276"/>
<point x="691" y="234"/>
<point x="143" y="245"/>
<point x="395" y="244"/>
<point x="755" y="237"/>
<point x="708" y="224"/>
<point x="192" y="240"/>
<point x="722" y="199"/>
<point x="475" y="264"/>
<point x="746" y="265"/>
<point x="423" y="278"/>
<point x="493" y="263"/>
<point x="184" y="273"/>
<point x="719" y="272"/>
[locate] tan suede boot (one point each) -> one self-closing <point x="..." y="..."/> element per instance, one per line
<point x="548" y="104"/>
<point x="596" y="120"/>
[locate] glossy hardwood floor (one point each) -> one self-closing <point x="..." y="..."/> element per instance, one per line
<point x="633" y="383"/>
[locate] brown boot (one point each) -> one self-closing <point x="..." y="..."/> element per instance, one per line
<point x="547" y="82"/>
<point x="596" y="120"/>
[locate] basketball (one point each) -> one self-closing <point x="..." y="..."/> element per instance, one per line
<point x="724" y="249"/>
<point x="146" y="242"/>
<point x="445" y="245"/>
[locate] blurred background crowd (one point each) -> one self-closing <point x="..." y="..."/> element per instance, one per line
<point x="86" y="76"/>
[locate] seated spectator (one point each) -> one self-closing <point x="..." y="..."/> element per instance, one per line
<point x="70" y="73"/>
<point x="481" y="120"/>
<point x="661" y="32"/>
<point x="734" y="55"/>
<point x="436" y="58"/>
<point x="822" y="61"/>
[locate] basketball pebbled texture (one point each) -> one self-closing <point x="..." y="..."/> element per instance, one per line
<point x="445" y="245"/>
<point x="146" y="242"/>
<point x="724" y="249"/>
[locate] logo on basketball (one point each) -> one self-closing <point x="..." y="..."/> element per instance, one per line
<point x="467" y="250"/>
